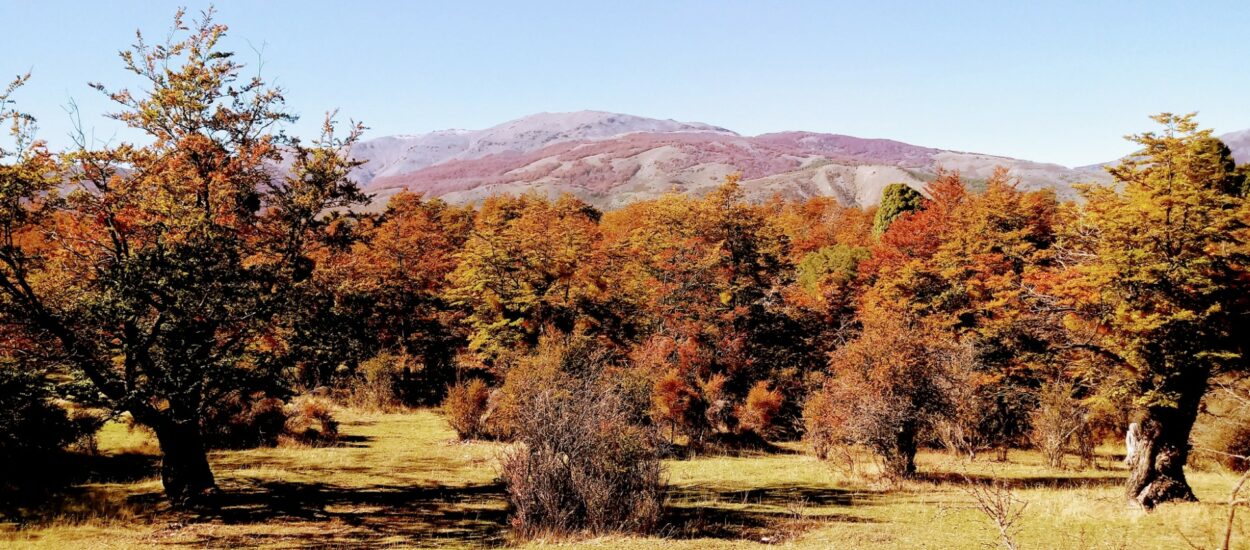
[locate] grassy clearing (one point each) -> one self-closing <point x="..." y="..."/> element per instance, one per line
<point x="402" y="480"/>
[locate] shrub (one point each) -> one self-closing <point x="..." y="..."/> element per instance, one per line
<point x="1056" y="422"/>
<point x="761" y="408"/>
<point x="31" y="425"/>
<point x="378" y="384"/>
<point x="1234" y="444"/>
<point x="581" y="465"/>
<point x="1223" y="431"/>
<point x="310" y="421"/>
<point x="244" y="420"/>
<point x="543" y="368"/>
<point x="465" y="408"/>
<point x="819" y="421"/>
<point x="584" y="460"/>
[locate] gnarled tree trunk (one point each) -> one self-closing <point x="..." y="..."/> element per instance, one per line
<point x="1157" y="471"/>
<point x="185" y="473"/>
<point x="901" y="460"/>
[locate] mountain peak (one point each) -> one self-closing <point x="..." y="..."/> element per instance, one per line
<point x="394" y="155"/>
<point x="610" y="159"/>
<point x="1239" y="142"/>
<point x="590" y="124"/>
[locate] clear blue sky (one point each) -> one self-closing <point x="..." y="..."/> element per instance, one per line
<point x="1053" y="81"/>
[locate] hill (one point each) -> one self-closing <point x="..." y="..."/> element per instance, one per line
<point x="611" y="159"/>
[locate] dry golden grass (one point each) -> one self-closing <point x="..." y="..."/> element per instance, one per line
<point x="403" y="480"/>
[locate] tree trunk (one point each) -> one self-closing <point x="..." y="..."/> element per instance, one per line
<point x="1158" y="467"/>
<point x="902" y="461"/>
<point x="185" y="473"/>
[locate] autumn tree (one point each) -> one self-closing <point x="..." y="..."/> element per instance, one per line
<point x="707" y="275"/>
<point x="381" y="288"/>
<point x="888" y="387"/>
<point x="965" y="262"/>
<point x="832" y="266"/>
<point x="157" y="276"/>
<point x="1159" y="288"/>
<point x="528" y="263"/>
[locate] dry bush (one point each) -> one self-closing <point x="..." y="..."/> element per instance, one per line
<point x="1223" y="431"/>
<point x="528" y="374"/>
<point x="310" y="421"/>
<point x="819" y="423"/>
<point x="760" y="409"/>
<point x="1234" y="446"/>
<point x="377" y="385"/>
<point x="241" y="420"/>
<point x="582" y="466"/>
<point x="465" y="408"/>
<point x="1057" y="421"/>
<point x="889" y="387"/>
<point x="1000" y="505"/>
<point x="584" y="462"/>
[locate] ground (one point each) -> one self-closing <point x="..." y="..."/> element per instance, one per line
<point x="403" y="480"/>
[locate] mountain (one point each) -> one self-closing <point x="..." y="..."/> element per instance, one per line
<point x="611" y="159"/>
<point x="1238" y="143"/>
<point x="397" y="155"/>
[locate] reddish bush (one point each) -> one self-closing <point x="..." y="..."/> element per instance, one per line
<point x="819" y="420"/>
<point x="888" y="388"/>
<point x="310" y="421"/>
<point x="465" y="408"/>
<point x="581" y="465"/>
<point x="760" y="409"/>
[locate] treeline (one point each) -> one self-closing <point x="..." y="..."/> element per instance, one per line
<point x="185" y="281"/>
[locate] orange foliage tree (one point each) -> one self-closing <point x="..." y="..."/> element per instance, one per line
<point x="158" y="276"/>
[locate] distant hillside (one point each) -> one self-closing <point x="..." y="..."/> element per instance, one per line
<point x="1238" y="142"/>
<point x="611" y="159"/>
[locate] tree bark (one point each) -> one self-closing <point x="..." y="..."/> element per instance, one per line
<point x="1157" y="471"/>
<point x="902" y="461"/>
<point x="185" y="472"/>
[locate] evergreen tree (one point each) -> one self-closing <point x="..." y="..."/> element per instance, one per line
<point x="896" y="199"/>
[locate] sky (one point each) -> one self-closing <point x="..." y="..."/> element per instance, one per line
<point x="1052" y="81"/>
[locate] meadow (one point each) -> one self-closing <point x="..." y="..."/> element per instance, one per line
<point x="403" y="480"/>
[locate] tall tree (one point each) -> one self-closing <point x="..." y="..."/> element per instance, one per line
<point x="158" y="274"/>
<point x="528" y="263"/>
<point x="383" y="290"/>
<point x="896" y="199"/>
<point x="1160" y="288"/>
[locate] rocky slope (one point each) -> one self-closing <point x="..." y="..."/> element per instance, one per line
<point x="611" y="159"/>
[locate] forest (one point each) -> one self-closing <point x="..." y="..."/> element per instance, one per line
<point x="220" y="287"/>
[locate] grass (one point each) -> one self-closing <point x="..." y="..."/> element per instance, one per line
<point x="403" y="480"/>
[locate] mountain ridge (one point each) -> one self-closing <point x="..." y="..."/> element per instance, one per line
<point x="612" y="159"/>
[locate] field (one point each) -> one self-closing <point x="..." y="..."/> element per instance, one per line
<point x="403" y="480"/>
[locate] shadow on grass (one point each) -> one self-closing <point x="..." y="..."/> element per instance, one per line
<point x="1029" y="482"/>
<point x="353" y="441"/>
<point x="764" y="514"/>
<point x="55" y="487"/>
<point x="727" y="445"/>
<point x="381" y="516"/>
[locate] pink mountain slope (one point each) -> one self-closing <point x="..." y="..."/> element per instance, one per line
<point x="612" y="159"/>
